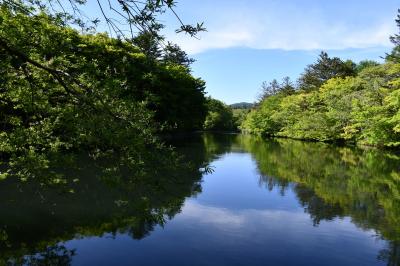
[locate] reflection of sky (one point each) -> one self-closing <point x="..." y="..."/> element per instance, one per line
<point x="236" y="185"/>
<point x="237" y="222"/>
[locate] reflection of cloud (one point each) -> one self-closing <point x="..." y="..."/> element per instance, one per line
<point x="296" y="223"/>
<point x="236" y="219"/>
<point x="212" y="215"/>
<point x="269" y="27"/>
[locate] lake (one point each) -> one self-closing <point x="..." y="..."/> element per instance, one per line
<point x="230" y="199"/>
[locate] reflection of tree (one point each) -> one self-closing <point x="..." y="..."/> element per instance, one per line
<point x="107" y="195"/>
<point x="204" y="148"/>
<point x="53" y="255"/>
<point x="114" y="197"/>
<point x="317" y="208"/>
<point x="332" y="181"/>
<point x="392" y="254"/>
<point x="272" y="182"/>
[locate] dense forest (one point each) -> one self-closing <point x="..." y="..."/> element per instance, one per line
<point x="334" y="100"/>
<point x="64" y="90"/>
<point x="67" y="88"/>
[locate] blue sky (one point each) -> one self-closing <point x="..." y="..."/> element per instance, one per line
<point x="249" y="41"/>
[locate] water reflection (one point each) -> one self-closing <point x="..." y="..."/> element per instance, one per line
<point x="332" y="182"/>
<point x="99" y="197"/>
<point x="343" y="191"/>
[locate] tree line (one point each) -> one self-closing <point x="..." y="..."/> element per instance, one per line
<point x="335" y="101"/>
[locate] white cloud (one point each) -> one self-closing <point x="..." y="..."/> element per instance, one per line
<point x="259" y="29"/>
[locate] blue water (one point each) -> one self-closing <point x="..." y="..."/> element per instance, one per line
<point x="264" y="202"/>
<point x="236" y="221"/>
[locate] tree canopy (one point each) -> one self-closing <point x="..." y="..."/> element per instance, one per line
<point x="219" y="117"/>
<point x="325" y="68"/>
<point x="66" y="91"/>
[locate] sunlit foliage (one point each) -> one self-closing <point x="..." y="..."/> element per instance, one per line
<point x="62" y="91"/>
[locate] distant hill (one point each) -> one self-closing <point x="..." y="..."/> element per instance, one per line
<point x="242" y="105"/>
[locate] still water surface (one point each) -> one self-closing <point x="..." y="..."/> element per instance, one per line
<point x="264" y="202"/>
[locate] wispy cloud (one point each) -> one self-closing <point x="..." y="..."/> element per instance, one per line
<point x="287" y="27"/>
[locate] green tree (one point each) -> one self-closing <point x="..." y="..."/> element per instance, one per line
<point x="364" y="64"/>
<point x="173" y="54"/>
<point x="219" y="117"/>
<point x="286" y="87"/>
<point x="395" y="39"/>
<point x="149" y="44"/>
<point x="72" y="92"/>
<point x="269" y="89"/>
<point x="325" y="68"/>
<point x="260" y="120"/>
